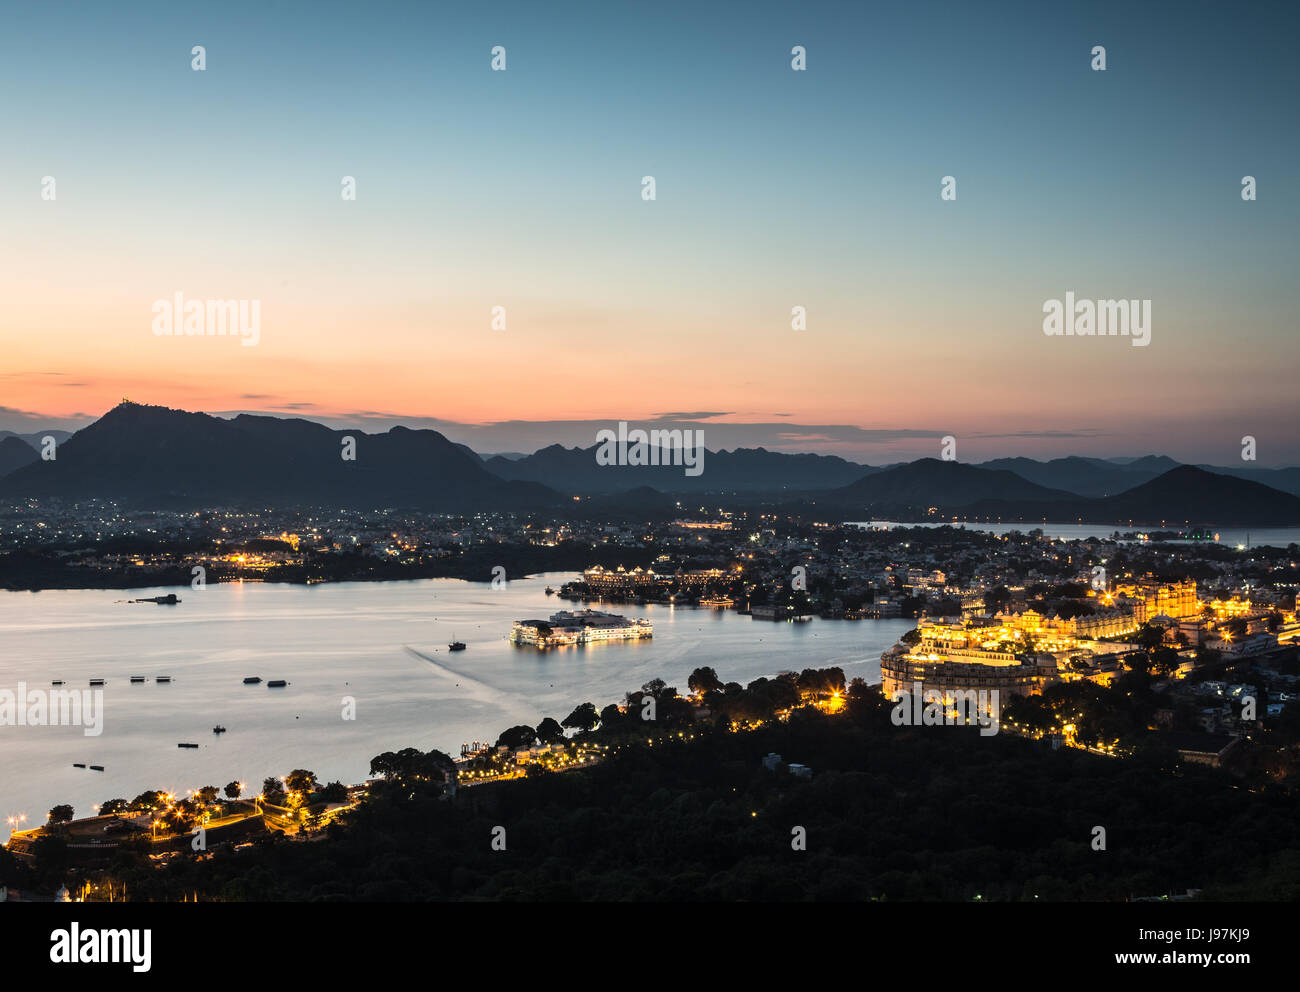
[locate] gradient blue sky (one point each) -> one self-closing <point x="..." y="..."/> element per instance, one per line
<point x="775" y="188"/>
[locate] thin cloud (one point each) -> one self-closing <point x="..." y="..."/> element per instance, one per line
<point x="699" y="415"/>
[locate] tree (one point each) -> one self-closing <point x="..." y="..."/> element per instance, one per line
<point x="611" y="717"/>
<point x="583" y="718"/>
<point x="273" y="790"/>
<point x="412" y="769"/>
<point x="713" y="699"/>
<point x="549" y="731"/>
<point x="335" y="792"/>
<point x="1150" y="636"/>
<point x="300" y="780"/>
<point x="810" y="683"/>
<point x="233" y="789"/>
<point x="392" y="765"/>
<point x="833" y="679"/>
<point x="864" y="701"/>
<point x="147" y="802"/>
<point x="1164" y="661"/>
<point x="183" y="815"/>
<point x="61" y="814"/>
<point x="111" y="807"/>
<point x="703" y="679"/>
<point x="208" y="794"/>
<point x="517" y="737"/>
<point x="50" y="852"/>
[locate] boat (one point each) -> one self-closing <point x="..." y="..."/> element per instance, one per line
<point x="218" y="729"/>
<point x="96" y="768"/>
<point x="168" y="600"/>
<point x="456" y="646"/>
<point x="78" y="764"/>
<point x="163" y="678"/>
<point x="183" y="744"/>
<point x="276" y="684"/>
<point x="137" y="678"/>
<point x="253" y="680"/>
<point x="57" y="682"/>
<point x="96" y="681"/>
<point x="550" y="591"/>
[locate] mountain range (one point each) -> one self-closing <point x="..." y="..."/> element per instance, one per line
<point x="1184" y="495"/>
<point x="154" y="456"/>
<point x="749" y="470"/>
<point x="148" y="455"/>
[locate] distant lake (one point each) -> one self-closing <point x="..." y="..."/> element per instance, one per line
<point x="1278" y="537"/>
<point x="335" y="640"/>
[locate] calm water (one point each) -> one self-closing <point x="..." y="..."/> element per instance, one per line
<point x="331" y="641"/>
<point x="1278" y="537"/>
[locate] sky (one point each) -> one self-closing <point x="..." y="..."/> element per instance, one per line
<point x="774" y="189"/>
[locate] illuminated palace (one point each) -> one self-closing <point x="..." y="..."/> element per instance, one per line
<point x="951" y="657"/>
<point x="1019" y="653"/>
<point x="569" y="627"/>
<point x="641" y="581"/>
<point x="618" y="580"/>
<point x="1151" y="598"/>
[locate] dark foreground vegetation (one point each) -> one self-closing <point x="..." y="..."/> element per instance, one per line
<point x="890" y="813"/>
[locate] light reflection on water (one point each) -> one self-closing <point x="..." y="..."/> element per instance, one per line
<point x="335" y="640"/>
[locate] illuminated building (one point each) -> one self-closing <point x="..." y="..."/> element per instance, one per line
<point x="572" y="627"/>
<point x="1171" y="599"/>
<point x="618" y="580"/>
<point x="951" y="656"/>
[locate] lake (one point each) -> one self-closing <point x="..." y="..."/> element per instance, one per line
<point x="332" y="641"/>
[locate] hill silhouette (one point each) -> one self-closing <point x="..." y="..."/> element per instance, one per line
<point x="156" y="456"/>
